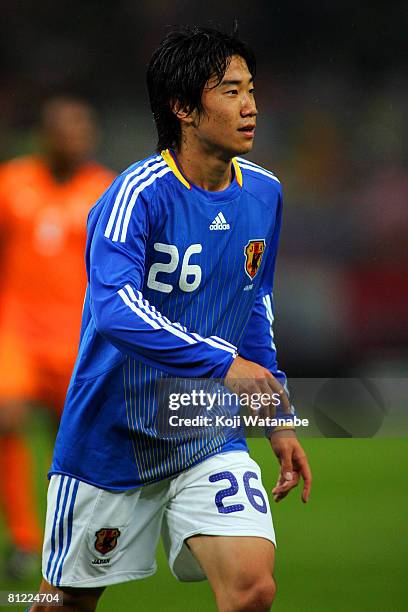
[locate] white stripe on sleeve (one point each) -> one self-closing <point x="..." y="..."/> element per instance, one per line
<point x="122" y="191"/>
<point x="158" y="321"/>
<point x="241" y="161"/>
<point x="153" y="317"/>
<point x="137" y="311"/>
<point x="147" y="174"/>
<point x="133" y="199"/>
<point x="268" y="308"/>
<point x="260" y="171"/>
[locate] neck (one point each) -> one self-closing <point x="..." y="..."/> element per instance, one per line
<point x="61" y="169"/>
<point x="204" y="168"/>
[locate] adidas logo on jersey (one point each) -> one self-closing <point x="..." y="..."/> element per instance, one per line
<point x="220" y="223"/>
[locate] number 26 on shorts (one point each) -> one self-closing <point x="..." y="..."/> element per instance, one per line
<point x="252" y="493"/>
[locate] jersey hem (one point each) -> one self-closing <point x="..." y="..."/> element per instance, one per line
<point x="141" y="484"/>
<point x="109" y="579"/>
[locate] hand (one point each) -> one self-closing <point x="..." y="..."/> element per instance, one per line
<point x="251" y="378"/>
<point x="294" y="464"/>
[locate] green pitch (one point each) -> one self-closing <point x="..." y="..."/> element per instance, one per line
<point x="346" y="550"/>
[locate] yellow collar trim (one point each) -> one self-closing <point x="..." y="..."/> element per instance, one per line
<point x="238" y="172"/>
<point x="170" y="161"/>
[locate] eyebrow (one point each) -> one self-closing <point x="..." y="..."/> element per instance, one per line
<point x="236" y="82"/>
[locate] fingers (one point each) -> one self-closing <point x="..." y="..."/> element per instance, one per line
<point x="266" y="406"/>
<point x="277" y="388"/>
<point x="273" y="396"/>
<point x="294" y="465"/>
<point x="286" y="464"/>
<point x="287" y="479"/>
<point x="248" y="377"/>
<point x="306" y="474"/>
<point x="284" y="486"/>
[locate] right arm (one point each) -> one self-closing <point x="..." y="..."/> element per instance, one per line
<point x="124" y="317"/>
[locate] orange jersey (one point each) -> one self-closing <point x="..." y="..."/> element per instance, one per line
<point x="42" y="241"/>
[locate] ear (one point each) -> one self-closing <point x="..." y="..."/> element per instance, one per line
<point x="183" y="114"/>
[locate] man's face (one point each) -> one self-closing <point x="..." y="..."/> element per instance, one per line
<point x="228" y="123"/>
<point x="69" y="130"/>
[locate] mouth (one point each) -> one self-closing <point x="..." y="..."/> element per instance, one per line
<point x="248" y="130"/>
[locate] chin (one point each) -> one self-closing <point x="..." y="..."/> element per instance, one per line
<point x="239" y="149"/>
<point x="244" y="148"/>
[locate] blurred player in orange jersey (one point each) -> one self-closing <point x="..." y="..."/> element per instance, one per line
<point x="44" y="203"/>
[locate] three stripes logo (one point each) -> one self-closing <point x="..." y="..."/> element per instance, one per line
<point x="220" y="223"/>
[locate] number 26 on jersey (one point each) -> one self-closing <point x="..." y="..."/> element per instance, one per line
<point x="190" y="274"/>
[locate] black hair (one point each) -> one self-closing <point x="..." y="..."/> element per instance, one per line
<point x="179" y="69"/>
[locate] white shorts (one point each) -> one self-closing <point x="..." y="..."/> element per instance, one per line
<point x="95" y="537"/>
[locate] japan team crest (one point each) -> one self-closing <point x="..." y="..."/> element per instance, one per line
<point x="106" y="540"/>
<point x="253" y="256"/>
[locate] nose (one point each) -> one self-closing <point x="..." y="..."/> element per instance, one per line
<point x="248" y="106"/>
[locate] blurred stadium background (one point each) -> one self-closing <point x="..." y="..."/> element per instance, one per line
<point x="332" y="92"/>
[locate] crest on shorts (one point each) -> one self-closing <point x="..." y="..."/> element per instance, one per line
<point x="253" y="256"/>
<point x="106" y="539"/>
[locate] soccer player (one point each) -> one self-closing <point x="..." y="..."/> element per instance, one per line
<point x="44" y="203"/>
<point x="180" y="260"/>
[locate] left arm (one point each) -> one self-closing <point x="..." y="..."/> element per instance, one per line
<point x="258" y="345"/>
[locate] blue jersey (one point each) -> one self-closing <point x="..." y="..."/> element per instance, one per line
<point x="179" y="282"/>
